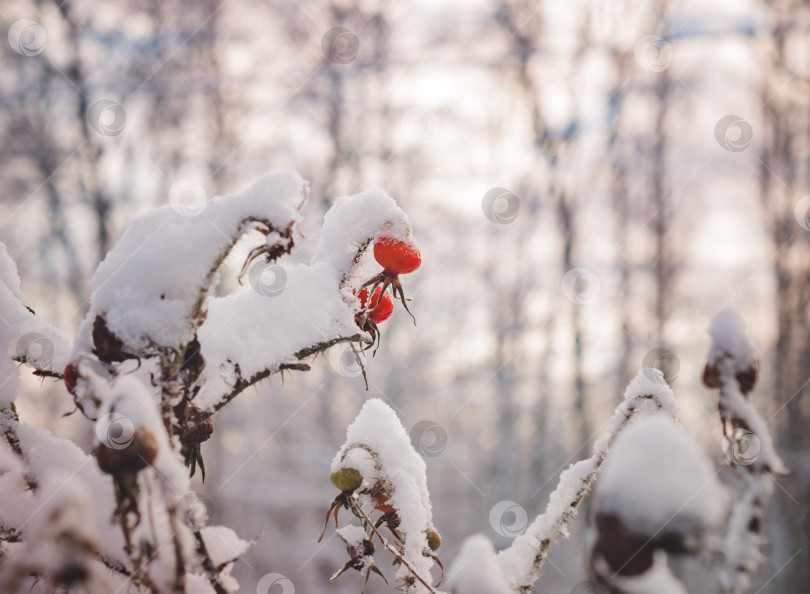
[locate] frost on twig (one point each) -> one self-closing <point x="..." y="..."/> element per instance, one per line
<point x="383" y="484"/>
<point x="658" y="494"/>
<point x="522" y="561"/>
<point x="732" y="367"/>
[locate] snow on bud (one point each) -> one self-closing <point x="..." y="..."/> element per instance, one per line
<point x="657" y="490"/>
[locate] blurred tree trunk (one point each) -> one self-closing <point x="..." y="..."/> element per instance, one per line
<point x="783" y="180"/>
<point x="617" y="148"/>
<point x="663" y="257"/>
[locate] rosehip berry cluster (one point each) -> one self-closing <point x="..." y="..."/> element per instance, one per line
<point x="396" y="257"/>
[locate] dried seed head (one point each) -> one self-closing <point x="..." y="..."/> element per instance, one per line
<point x="199" y="433"/>
<point x="364" y="548"/>
<point x="747" y="378"/>
<point x="711" y="376"/>
<point x="136" y="456"/>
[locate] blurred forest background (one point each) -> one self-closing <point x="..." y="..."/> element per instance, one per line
<point x="659" y="150"/>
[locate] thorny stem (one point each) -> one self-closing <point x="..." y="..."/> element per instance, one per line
<point x="358" y="510"/>
<point x="8" y="422"/>
<point x="208" y="564"/>
<point x="242" y="384"/>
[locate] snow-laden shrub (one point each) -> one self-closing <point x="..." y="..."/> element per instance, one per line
<point x="155" y="358"/>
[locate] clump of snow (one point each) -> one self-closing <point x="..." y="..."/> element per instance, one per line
<point x="352" y="535"/>
<point x="353" y="220"/>
<point x="475" y="570"/>
<point x="260" y="332"/>
<point x="650" y="382"/>
<point x="149" y="284"/>
<point x="730" y="338"/>
<point x="223" y="544"/>
<point x="378" y="446"/>
<point x="199" y="584"/>
<point x="657" y="478"/>
<point x="9" y="275"/>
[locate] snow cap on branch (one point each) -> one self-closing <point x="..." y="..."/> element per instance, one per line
<point x="352" y="221"/>
<point x="475" y="570"/>
<point x="306" y="309"/>
<point x="656" y="478"/>
<point x="730" y="338"/>
<point x="378" y="446"/>
<point x="148" y="286"/>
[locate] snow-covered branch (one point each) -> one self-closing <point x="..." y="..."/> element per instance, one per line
<point x="522" y="561"/>
<point x="658" y="494"/>
<point x="154" y="359"/>
<point x="732" y="367"/>
<point x="383" y="483"/>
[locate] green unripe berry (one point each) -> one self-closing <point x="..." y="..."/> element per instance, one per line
<point x="434" y="540"/>
<point x="347" y="479"/>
